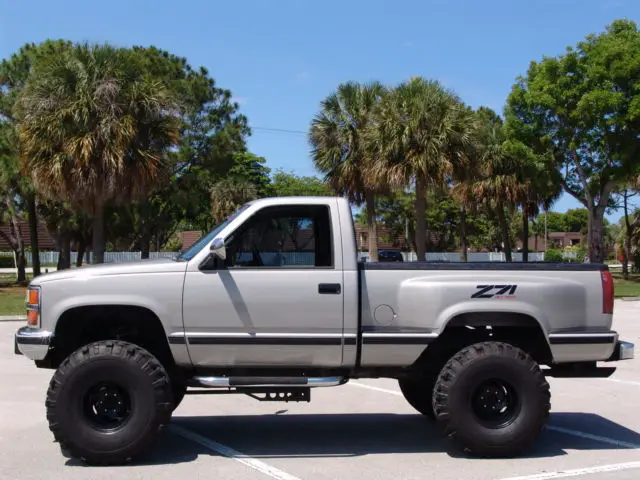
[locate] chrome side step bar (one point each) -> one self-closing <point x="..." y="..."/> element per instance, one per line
<point x="260" y="382"/>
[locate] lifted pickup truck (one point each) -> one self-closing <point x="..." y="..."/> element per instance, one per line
<point x="273" y="303"/>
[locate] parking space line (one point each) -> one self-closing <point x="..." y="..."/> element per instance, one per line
<point x="229" y="452"/>
<point x="578" y="472"/>
<point x="590" y="436"/>
<point x="377" y="389"/>
<point x="626" y="382"/>
<point x="566" y="431"/>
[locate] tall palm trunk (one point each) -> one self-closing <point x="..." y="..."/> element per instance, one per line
<point x="421" y="223"/>
<point x="504" y="228"/>
<point x="98" y="234"/>
<point x="64" y="259"/>
<point x="525" y="234"/>
<point x="33" y="234"/>
<point x="463" y="234"/>
<point x="372" y="230"/>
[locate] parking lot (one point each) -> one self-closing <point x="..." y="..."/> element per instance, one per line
<point x="364" y="429"/>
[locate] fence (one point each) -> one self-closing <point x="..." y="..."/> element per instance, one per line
<point x="51" y="258"/>
<point x="472" y="257"/>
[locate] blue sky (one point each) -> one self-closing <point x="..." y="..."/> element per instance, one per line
<point x="281" y="58"/>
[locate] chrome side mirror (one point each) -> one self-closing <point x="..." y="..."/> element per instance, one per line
<point x="218" y="248"/>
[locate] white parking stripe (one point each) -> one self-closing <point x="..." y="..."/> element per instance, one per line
<point x="589" y="436"/>
<point x="566" y="431"/>
<point x="579" y="472"/>
<point x="229" y="452"/>
<point x="626" y="382"/>
<point x="377" y="389"/>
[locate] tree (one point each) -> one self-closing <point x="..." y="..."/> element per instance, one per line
<point x="421" y="132"/>
<point x="95" y="128"/>
<point x="581" y="112"/>
<point x="14" y="73"/>
<point x="576" y="220"/>
<point x="284" y="184"/>
<point x="497" y="185"/>
<point x="253" y="169"/>
<point x="228" y="195"/>
<point x="212" y="141"/>
<point x="342" y="151"/>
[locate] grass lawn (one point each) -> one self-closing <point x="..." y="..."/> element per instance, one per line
<point x="12" y="300"/>
<point x="627" y="288"/>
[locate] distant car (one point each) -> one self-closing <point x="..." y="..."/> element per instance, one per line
<point x="389" y="256"/>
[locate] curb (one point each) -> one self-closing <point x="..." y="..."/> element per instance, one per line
<point x="13" y="318"/>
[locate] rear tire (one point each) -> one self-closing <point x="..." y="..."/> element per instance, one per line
<point x="418" y="392"/>
<point x="107" y="402"/>
<point x="492" y="399"/>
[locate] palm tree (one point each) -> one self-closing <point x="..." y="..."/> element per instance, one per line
<point x="341" y="150"/>
<point x="228" y="194"/>
<point x="497" y="186"/>
<point x="422" y="132"/>
<point x="539" y="187"/>
<point x="94" y="130"/>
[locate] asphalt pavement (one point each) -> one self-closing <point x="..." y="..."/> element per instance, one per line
<point x="362" y="430"/>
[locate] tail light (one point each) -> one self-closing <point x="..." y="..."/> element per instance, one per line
<point x="607" y="292"/>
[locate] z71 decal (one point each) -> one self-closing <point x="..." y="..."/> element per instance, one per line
<point x="495" y="291"/>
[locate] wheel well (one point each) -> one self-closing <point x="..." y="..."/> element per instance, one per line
<point x="520" y="330"/>
<point x="82" y="325"/>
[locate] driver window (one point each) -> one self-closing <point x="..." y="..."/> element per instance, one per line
<point x="283" y="237"/>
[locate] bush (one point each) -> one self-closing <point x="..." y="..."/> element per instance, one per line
<point x="575" y="253"/>
<point x="554" y="256"/>
<point x="6" y="261"/>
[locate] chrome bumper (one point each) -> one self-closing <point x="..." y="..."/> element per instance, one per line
<point x="622" y="351"/>
<point x="33" y="343"/>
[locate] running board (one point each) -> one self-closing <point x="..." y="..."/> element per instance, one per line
<point x="261" y="382"/>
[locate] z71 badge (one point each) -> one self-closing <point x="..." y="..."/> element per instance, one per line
<point x="495" y="291"/>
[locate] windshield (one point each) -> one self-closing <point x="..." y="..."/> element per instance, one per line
<point x="196" y="247"/>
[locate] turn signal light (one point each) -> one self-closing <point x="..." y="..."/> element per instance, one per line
<point x="33" y="297"/>
<point x="32" y="317"/>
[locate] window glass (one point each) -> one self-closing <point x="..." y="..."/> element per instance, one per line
<point x="283" y="237"/>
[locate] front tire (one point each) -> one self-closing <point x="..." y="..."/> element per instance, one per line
<point x="107" y="402"/>
<point x="492" y="399"/>
<point x="418" y="392"/>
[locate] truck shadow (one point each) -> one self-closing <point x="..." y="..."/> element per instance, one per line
<point x="351" y="435"/>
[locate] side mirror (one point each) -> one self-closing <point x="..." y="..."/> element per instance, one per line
<point x="218" y="248"/>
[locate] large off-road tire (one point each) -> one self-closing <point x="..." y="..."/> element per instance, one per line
<point x="492" y="399"/>
<point x="418" y="391"/>
<point x="108" y="401"/>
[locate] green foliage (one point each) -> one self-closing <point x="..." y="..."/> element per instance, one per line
<point x="6" y="261"/>
<point x="252" y="169"/>
<point x="553" y="255"/>
<point x="576" y="220"/>
<point x="575" y="253"/>
<point x="581" y="113"/>
<point x="285" y="184"/>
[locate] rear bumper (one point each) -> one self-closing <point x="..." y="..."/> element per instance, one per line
<point x="623" y="351"/>
<point x="33" y="343"/>
<point x="589" y="347"/>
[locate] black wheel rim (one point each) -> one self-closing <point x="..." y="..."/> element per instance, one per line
<point x="107" y="406"/>
<point x="495" y="403"/>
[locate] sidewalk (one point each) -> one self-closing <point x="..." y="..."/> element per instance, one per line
<point x="13" y="318"/>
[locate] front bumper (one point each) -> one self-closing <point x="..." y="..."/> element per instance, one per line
<point x="33" y="343"/>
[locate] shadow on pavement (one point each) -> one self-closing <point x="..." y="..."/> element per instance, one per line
<point x="348" y="435"/>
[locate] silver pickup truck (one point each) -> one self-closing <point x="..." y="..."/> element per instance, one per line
<point x="273" y="303"/>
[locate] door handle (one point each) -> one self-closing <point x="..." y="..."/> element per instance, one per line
<point x="329" y="288"/>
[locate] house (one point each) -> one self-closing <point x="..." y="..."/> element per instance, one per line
<point x="45" y="241"/>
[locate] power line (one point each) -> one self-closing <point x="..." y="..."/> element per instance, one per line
<point x="279" y="130"/>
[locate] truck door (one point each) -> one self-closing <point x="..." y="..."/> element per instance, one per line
<point x="277" y="299"/>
